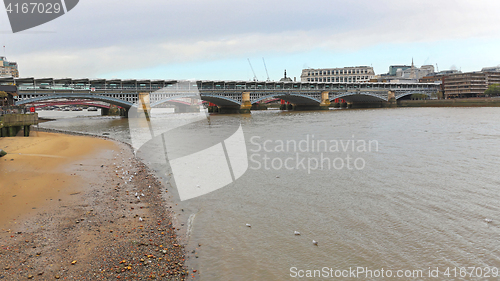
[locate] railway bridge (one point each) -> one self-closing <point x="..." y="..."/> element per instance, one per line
<point x="228" y="96"/>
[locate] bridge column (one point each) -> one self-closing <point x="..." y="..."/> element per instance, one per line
<point x="143" y="109"/>
<point x="124" y="112"/>
<point x="246" y="105"/>
<point x="391" y="99"/>
<point x="104" y="111"/>
<point x="144" y="104"/>
<point x="325" y="100"/>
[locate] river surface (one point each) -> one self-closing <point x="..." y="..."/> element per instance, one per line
<point x="412" y="195"/>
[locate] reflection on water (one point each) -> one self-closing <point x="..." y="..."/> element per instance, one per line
<point x="419" y="202"/>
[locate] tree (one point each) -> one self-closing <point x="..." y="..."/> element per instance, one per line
<point x="493" y="91"/>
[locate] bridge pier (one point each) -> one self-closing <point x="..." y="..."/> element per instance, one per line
<point x="246" y="105"/>
<point x="391" y="97"/>
<point x="124" y="112"/>
<point x="141" y="111"/>
<point x="12" y="124"/>
<point x="212" y="108"/>
<point x="325" y="100"/>
<point x="104" y="111"/>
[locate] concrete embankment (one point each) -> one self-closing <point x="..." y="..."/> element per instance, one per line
<point x="471" y="102"/>
<point x="12" y="124"/>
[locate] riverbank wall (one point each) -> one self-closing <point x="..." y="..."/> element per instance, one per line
<point x="470" y="102"/>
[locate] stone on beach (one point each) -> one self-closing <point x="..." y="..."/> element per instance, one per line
<point x="111" y="235"/>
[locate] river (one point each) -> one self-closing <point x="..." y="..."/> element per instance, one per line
<point x="411" y="196"/>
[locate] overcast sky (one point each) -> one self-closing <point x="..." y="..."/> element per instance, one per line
<point x="193" y="39"/>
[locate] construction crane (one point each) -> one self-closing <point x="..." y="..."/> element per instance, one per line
<point x="254" y="76"/>
<point x="266" y="70"/>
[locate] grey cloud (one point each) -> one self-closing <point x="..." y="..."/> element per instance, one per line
<point x="107" y="35"/>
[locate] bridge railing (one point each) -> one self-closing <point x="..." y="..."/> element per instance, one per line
<point x="13" y="110"/>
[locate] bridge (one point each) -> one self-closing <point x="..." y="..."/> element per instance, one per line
<point x="89" y="103"/>
<point x="228" y="96"/>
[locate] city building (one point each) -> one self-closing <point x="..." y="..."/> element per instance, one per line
<point x="410" y="73"/>
<point x="471" y="84"/>
<point x="491" y="69"/>
<point x="394" y="68"/>
<point x="345" y="74"/>
<point x="8" y="68"/>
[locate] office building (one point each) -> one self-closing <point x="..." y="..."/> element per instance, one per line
<point x="345" y="74"/>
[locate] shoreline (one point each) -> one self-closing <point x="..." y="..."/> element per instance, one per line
<point x="93" y="227"/>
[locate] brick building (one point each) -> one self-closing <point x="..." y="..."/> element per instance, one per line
<point x="468" y="85"/>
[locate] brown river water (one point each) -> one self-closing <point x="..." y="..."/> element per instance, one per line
<point x="388" y="194"/>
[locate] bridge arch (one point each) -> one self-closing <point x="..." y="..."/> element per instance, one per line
<point x="75" y="102"/>
<point x="115" y="101"/>
<point x="405" y="94"/>
<point x="359" y="97"/>
<point x="221" y="100"/>
<point x="292" y="98"/>
<point x="172" y="99"/>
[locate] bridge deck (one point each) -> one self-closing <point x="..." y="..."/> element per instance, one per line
<point x="125" y="92"/>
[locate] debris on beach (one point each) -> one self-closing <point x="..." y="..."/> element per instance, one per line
<point x="114" y="237"/>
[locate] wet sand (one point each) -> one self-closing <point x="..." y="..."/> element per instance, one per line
<point x="69" y="210"/>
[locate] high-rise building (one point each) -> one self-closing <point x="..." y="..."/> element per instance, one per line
<point x="8" y="68"/>
<point x="345" y="74"/>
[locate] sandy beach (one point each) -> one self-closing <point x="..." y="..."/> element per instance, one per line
<point x="83" y="208"/>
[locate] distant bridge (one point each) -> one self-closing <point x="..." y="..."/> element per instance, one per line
<point x="224" y="94"/>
